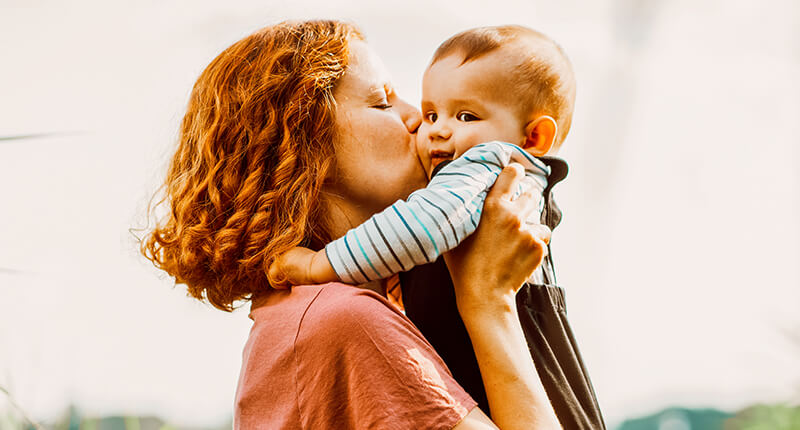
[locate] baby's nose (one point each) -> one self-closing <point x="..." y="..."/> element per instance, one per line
<point x="439" y="131"/>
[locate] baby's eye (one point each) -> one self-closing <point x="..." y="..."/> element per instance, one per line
<point x="466" y="117"/>
<point x="431" y="117"/>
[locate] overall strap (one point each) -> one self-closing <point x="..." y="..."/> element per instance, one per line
<point x="551" y="215"/>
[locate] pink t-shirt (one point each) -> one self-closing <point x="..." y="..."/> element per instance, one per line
<point x="335" y="356"/>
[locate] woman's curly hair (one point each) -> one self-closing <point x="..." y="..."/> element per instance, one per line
<point x="255" y="147"/>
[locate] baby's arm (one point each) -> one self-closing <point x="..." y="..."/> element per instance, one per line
<point x="432" y="221"/>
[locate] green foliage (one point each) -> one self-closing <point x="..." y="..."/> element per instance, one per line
<point x="766" y="417"/>
<point x="679" y="418"/>
<point x="757" y="417"/>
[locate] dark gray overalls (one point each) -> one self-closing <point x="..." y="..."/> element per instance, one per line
<point x="430" y="303"/>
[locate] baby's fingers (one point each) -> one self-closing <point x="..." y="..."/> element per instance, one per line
<point x="277" y="278"/>
<point x="291" y="268"/>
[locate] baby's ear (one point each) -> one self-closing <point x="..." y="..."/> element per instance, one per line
<point x="540" y="135"/>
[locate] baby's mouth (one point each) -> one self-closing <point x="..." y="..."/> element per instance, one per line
<point x="438" y="157"/>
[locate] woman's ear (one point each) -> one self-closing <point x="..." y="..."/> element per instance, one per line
<point x="540" y="135"/>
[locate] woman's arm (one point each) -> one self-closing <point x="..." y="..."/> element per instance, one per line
<point x="487" y="270"/>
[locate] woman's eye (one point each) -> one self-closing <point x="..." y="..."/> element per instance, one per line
<point x="466" y="117"/>
<point x="431" y="117"/>
<point x="382" y="106"/>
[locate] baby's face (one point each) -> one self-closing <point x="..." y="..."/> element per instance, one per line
<point x="464" y="105"/>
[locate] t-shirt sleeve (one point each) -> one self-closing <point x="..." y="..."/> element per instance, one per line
<point x="362" y="364"/>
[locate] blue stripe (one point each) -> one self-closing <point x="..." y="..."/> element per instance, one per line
<point x="402" y="243"/>
<point x="346" y="269"/>
<point x="455" y="213"/>
<point x="375" y="248"/>
<point x="365" y="256"/>
<point x="474" y="224"/>
<point x="416" y="239"/>
<point x="354" y="257"/>
<point x="499" y="161"/>
<point x="471" y="177"/>
<point x="435" y="248"/>
<point x="477" y="162"/>
<point x="455" y="235"/>
<point x="536" y="163"/>
<point x="462" y="200"/>
<point x="478" y="214"/>
<point x="389" y="247"/>
<point x="453" y="174"/>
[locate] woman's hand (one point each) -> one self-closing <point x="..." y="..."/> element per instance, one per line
<point x="492" y="264"/>
<point x="487" y="270"/>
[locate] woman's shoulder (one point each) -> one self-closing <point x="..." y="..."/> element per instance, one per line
<point x="359" y="356"/>
<point x="339" y="308"/>
<point x="313" y="311"/>
<point x="300" y="332"/>
<point x="335" y="353"/>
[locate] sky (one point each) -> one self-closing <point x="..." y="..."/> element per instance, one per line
<point x="679" y="249"/>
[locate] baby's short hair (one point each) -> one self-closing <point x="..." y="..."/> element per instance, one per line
<point x="543" y="72"/>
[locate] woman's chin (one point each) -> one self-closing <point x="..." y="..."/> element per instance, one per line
<point x="422" y="178"/>
<point x="425" y="169"/>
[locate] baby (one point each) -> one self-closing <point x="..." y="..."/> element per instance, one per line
<point x="489" y="97"/>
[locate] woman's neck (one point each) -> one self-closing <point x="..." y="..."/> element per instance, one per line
<point x="342" y="216"/>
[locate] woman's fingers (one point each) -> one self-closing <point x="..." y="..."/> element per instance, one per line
<point x="535" y="248"/>
<point x="528" y="202"/>
<point x="540" y="232"/>
<point x="506" y="182"/>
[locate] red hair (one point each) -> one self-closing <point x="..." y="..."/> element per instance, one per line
<point x="255" y="147"/>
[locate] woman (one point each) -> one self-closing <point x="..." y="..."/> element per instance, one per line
<point x="292" y="136"/>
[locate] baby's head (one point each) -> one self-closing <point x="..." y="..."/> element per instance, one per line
<point x="507" y="83"/>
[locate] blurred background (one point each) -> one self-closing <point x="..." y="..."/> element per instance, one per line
<point x="679" y="249"/>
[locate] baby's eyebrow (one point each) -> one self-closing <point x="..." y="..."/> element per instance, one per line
<point x="464" y="101"/>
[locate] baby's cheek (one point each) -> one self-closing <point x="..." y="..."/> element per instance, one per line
<point x="472" y="134"/>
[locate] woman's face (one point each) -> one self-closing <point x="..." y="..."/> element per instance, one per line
<point x="376" y="158"/>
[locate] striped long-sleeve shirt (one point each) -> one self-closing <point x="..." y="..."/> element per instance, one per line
<point x="434" y="219"/>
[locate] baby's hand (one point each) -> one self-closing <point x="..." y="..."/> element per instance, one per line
<point x="291" y="268"/>
<point x="301" y="266"/>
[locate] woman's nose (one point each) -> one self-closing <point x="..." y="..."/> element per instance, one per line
<point x="412" y="118"/>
